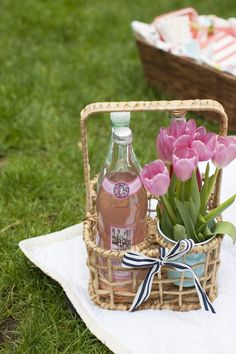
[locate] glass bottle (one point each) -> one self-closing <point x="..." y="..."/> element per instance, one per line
<point x="121" y="201"/>
<point x="178" y="116"/>
<point x="118" y="120"/>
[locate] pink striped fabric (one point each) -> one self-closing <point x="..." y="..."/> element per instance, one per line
<point x="223" y="47"/>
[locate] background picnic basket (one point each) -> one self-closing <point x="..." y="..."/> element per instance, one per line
<point x="184" y="78"/>
<point x="109" y="294"/>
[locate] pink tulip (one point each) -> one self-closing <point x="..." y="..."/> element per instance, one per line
<point x="183" y="141"/>
<point x="204" y="144"/>
<point x="176" y="128"/>
<point x="177" y="136"/>
<point x="225" y="151"/>
<point x="184" y="162"/>
<point x="191" y="127"/>
<point x="164" y="144"/>
<point x="155" y="177"/>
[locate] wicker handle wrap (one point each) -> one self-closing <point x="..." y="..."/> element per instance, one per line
<point x="141" y="106"/>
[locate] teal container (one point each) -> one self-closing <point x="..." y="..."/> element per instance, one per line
<point x="191" y="260"/>
<point x="195" y="259"/>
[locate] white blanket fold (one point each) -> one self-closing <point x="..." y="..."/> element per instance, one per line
<point x="62" y="256"/>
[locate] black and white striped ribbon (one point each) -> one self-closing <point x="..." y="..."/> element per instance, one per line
<point x="137" y="260"/>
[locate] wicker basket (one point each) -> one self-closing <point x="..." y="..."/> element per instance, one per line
<point x="102" y="263"/>
<point x="184" y="78"/>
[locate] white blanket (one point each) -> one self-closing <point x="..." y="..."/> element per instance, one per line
<point x="62" y="256"/>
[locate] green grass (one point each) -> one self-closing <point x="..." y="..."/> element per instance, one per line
<point x="56" y="57"/>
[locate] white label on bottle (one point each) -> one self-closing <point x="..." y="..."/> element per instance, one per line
<point x="121" y="238"/>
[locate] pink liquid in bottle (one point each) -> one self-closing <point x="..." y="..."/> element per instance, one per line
<point x="121" y="208"/>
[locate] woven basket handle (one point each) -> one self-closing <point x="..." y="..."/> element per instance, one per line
<point x="141" y="106"/>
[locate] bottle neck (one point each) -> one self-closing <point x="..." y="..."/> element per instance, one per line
<point x="121" y="158"/>
<point x="114" y="126"/>
<point x="119" y="125"/>
<point x="177" y="119"/>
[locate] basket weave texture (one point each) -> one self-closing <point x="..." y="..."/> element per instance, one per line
<point x="184" y="78"/>
<point x="103" y="264"/>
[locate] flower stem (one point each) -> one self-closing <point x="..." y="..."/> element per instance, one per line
<point x="178" y="189"/>
<point x="182" y="191"/>
<point x="169" y="209"/>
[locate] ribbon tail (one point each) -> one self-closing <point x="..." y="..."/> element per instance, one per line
<point x="145" y="288"/>
<point x="203" y="298"/>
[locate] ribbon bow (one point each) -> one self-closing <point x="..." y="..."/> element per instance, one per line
<point x="137" y="260"/>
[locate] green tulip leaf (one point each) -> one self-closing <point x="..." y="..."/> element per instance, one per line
<point x="226" y="227"/>
<point x="169" y="208"/>
<point x="207" y="232"/>
<point x="179" y="232"/>
<point x="204" y="226"/>
<point x="193" y="211"/>
<point x="166" y="224"/>
<point x="172" y="187"/>
<point x="186" y="217"/>
<point x="218" y="210"/>
<point x="207" y="188"/>
<point x="204" y="189"/>
<point x="195" y="194"/>
<point x="200" y="221"/>
<point x="187" y="190"/>
<point x="200" y="237"/>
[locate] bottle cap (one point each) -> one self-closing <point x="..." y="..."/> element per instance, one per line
<point x="122" y="136"/>
<point x="120" y="118"/>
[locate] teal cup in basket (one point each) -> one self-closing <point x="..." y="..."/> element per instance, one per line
<point x="194" y="260"/>
<point x="191" y="260"/>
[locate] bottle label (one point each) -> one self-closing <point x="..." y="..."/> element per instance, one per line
<point x="122" y="189"/>
<point x="121" y="238"/>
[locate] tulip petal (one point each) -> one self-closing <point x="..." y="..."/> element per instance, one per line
<point x="191" y="127"/>
<point x="164" y="144"/>
<point x="160" y="184"/>
<point x="182" y="142"/>
<point x="184" y="162"/>
<point x="176" y="129"/>
<point x="145" y="172"/>
<point x="183" y="169"/>
<point x="225" y="151"/>
<point x="155" y="177"/>
<point x="223" y="157"/>
<point x="200" y="133"/>
<point x="201" y="150"/>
